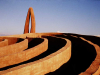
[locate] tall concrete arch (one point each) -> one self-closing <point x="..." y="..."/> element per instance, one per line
<point x="26" y="28"/>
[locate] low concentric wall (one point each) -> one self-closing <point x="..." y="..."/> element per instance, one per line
<point x="21" y="56"/>
<point x="13" y="48"/>
<point x="3" y="43"/>
<point x="45" y="65"/>
<point x="94" y="68"/>
<point x="97" y="72"/>
<point x="95" y="64"/>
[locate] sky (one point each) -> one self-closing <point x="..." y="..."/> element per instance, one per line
<point x="65" y="16"/>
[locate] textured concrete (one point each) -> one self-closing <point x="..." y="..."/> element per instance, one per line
<point x="45" y="65"/>
<point x="4" y="43"/>
<point x="95" y="64"/>
<point x="23" y="55"/>
<point x="97" y="72"/>
<point x="17" y="47"/>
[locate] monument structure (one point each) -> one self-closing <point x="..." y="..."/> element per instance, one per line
<point x="49" y="53"/>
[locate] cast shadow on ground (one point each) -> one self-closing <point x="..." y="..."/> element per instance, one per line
<point x="54" y="44"/>
<point x="82" y="55"/>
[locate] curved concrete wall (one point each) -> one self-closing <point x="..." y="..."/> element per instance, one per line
<point x="97" y="72"/>
<point x="95" y="64"/>
<point x="6" y="50"/>
<point x="11" y="40"/>
<point x="23" y="55"/>
<point x="45" y="65"/>
<point x="4" y="43"/>
<point x="1" y="39"/>
<point x="93" y="67"/>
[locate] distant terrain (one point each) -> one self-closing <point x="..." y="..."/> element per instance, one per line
<point x="3" y="34"/>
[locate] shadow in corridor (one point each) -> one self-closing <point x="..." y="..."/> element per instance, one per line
<point x="54" y="44"/>
<point x="82" y="55"/>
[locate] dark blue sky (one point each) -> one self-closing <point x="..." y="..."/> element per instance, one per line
<point x="68" y="16"/>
